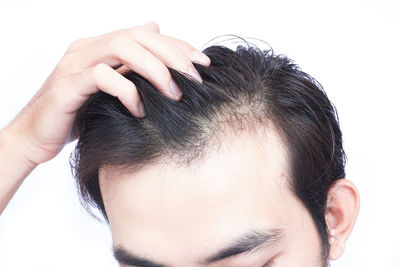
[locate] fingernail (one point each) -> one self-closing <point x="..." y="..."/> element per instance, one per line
<point x="175" y="91"/>
<point x="200" y="57"/>
<point x="195" y="74"/>
<point x="141" y="109"/>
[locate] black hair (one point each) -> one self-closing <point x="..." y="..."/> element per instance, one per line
<point x="265" y="85"/>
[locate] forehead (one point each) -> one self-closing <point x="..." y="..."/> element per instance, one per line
<point x="242" y="185"/>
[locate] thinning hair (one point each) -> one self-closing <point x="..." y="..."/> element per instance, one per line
<point x="241" y="89"/>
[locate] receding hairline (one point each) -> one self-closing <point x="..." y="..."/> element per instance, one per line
<point x="261" y="134"/>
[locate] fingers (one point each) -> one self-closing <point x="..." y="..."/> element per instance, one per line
<point x="103" y="77"/>
<point x="142" y="49"/>
<point x="191" y="52"/>
<point x="123" y="50"/>
<point x="166" y="50"/>
<point x="149" y="63"/>
<point x="142" y="61"/>
<point x="194" y="54"/>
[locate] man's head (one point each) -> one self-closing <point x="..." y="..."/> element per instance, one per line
<point x="247" y="168"/>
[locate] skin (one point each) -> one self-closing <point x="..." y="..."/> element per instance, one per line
<point x="191" y="211"/>
<point x="177" y="216"/>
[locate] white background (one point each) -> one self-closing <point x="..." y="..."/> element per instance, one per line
<point x="350" y="47"/>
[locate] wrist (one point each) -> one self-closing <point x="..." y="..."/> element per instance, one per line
<point x="14" y="166"/>
<point x="14" y="162"/>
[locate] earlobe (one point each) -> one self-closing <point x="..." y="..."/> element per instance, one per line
<point x="341" y="214"/>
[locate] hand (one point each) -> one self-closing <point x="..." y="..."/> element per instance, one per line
<point x="45" y="124"/>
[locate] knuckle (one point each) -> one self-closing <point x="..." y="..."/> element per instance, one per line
<point x="185" y="45"/>
<point x="133" y="29"/>
<point x="133" y="96"/>
<point x="129" y="88"/>
<point x="98" y="71"/>
<point x="180" y="42"/>
<point x="126" y="96"/>
<point x="155" y="23"/>
<point x="130" y="85"/>
<point x="137" y="31"/>
<point x="117" y="41"/>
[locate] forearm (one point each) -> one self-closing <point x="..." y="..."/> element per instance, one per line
<point x="14" y="168"/>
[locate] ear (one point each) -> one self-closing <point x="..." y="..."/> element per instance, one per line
<point x="342" y="210"/>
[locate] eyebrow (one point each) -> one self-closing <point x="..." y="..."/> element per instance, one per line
<point x="246" y="243"/>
